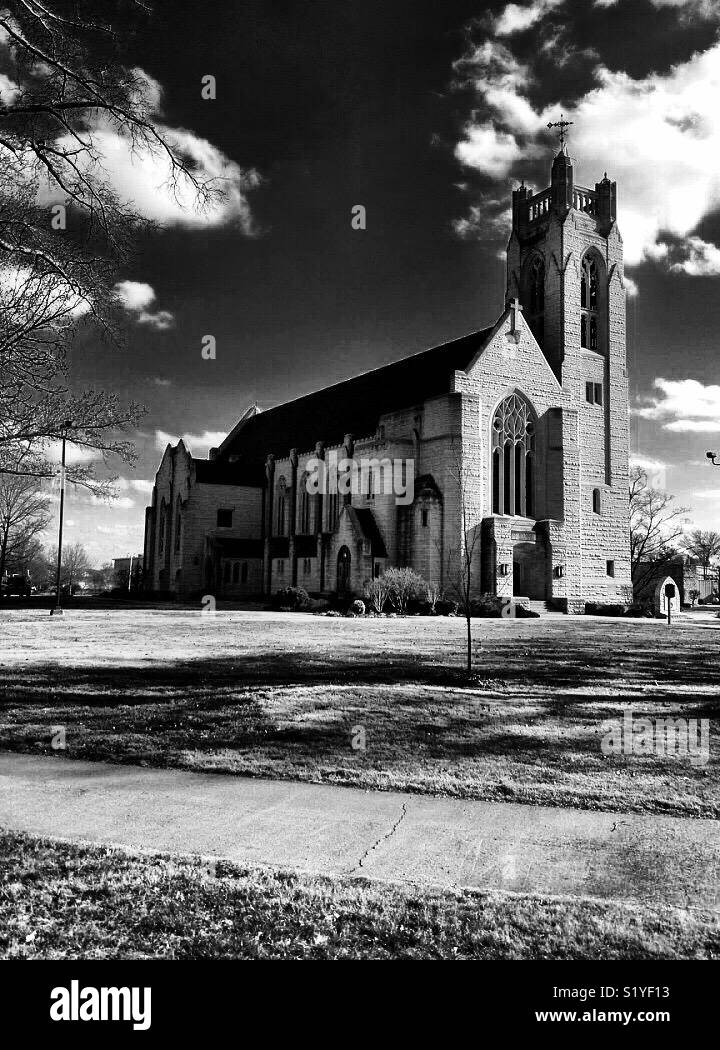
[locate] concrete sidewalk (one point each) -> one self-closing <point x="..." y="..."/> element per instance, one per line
<point x="382" y="835"/>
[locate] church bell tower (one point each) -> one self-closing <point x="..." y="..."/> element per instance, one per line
<point x="565" y="265"/>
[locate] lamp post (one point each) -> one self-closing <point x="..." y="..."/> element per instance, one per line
<point x="57" y="609"/>
<point x="714" y="457"/>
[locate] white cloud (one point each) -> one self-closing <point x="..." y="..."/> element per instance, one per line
<point x="75" y="455"/>
<point x="161" y="381"/>
<point x="491" y="151"/>
<point x="631" y="287"/>
<point x="704" y="8"/>
<point x="136" y="297"/>
<point x="647" y="462"/>
<point x="515" y="18"/>
<point x="137" y="484"/>
<point x="683" y="406"/>
<point x="143" y="177"/>
<point x="655" y="469"/>
<point x="197" y="444"/>
<point x="8" y="90"/>
<point x="694" y="257"/>
<point x="659" y="137"/>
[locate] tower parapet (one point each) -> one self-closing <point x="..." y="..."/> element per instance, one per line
<point x="530" y="211"/>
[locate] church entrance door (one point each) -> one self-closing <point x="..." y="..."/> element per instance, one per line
<point x="343" y="570"/>
<point x="529" y="571"/>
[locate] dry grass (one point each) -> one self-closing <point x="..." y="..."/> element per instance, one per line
<point x="65" y="902"/>
<point x="280" y="695"/>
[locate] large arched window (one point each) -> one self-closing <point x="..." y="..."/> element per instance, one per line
<point x="281" y="508"/>
<point x="589" y="303"/>
<point x="513" y="458"/>
<point x="535" y="298"/>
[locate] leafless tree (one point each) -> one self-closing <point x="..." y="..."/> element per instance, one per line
<point x="703" y="545"/>
<point x="75" y="563"/>
<point x="68" y="84"/>
<point x="656" y="523"/>
<point x="24" y="515"/>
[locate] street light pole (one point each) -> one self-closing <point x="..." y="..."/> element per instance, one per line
<point x="57" y="609"/>
<point x="714" y="457"/>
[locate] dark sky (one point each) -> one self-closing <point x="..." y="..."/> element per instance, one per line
<point x="338" y="103"/>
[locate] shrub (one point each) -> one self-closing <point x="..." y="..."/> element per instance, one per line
<point x="404" y="585"/>
<point x="377" y="594"/>
<point x="487" y="605"/>
<point x="433" y="594"/>
<point x="605" y="609"/>
<point x="291" y="598"/>
<point x="357" y="608"/>
<point x="445" y="607"/>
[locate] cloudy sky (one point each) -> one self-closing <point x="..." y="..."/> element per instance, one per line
<point x="427" y="114"/>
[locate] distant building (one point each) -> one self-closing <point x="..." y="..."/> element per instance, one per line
<point x="530" y="413"/>
<point x="122" y="572"/>
<point x="689" y="575"/>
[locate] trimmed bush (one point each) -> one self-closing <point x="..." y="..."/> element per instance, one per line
<point x="357" y="608"/>
<point x="291" y="598"/>
<point x="605" y="609"/>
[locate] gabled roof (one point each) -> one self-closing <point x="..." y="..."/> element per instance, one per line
<point x="369" y="528"/>
<point x="354" y="406"/>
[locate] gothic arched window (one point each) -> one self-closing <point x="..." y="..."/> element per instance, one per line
<point x="333" y="508"/>
<point x="535" y="300"/>
<point x="513" y="458"/>
<point x="281" y="508"/>
<point x="307" y="508"/>
<point x="589" y="296"/>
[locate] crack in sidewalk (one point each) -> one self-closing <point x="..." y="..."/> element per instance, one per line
<point x="379" y="842"/>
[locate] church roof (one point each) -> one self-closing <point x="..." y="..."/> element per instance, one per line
<point x="217" y="472"/>
<point x="354" y="406"/>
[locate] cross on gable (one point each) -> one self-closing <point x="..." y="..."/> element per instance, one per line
<point x="515" y="309"/>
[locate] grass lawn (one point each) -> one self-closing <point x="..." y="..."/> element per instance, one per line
<point x="63" y="902"/>
<point x="279" y="695"/>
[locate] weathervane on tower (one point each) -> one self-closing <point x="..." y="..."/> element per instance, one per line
<point x="561" y="124"/>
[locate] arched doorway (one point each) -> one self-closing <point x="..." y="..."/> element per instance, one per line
<point x="529" y="571"/>
<point x="343" y="570"/>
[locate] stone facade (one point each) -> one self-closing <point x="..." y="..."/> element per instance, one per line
<point x="516" y="438"/>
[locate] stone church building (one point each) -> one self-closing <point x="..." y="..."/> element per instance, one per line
<point x="516" y="436"/>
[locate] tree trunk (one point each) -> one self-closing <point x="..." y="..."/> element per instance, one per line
<point x="469" y="643"/>
<point x="3" y="551"/>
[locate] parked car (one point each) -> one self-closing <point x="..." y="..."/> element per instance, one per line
<point x="18" y="583"/>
